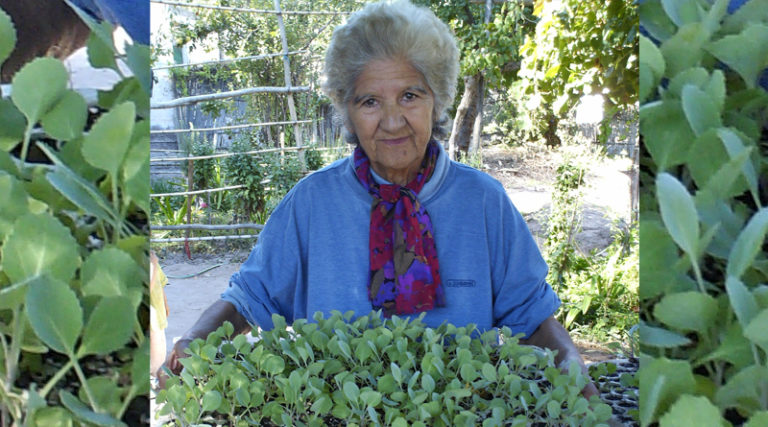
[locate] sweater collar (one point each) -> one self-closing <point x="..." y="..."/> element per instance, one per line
<point x="430" y="187"/>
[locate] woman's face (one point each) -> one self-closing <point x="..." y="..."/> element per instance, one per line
<point x="391" y="114"/>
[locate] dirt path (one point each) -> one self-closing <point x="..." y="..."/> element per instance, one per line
<point x="526" y="174"/>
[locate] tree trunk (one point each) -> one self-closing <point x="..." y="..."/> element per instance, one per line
<point x="550" y="134"/>
<point x="465" y="117"/>
<point x="476" y="144"/>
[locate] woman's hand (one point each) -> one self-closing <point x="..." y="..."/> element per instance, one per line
<point x="552" y="335"/>
<point x="211" y="319"/>
<point x="172" y="362"/>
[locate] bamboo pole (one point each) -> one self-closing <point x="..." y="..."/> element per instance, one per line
<point x="190" y="193"/>
<point x="178" y="102"/>
<point x="288" y="83"/>
<point x="231" y="127"/>
<point x="228" y="60"/>
<point x="207" y="227"/>
<point x="198" y="239"/>
<point x="214" y="156"/>
<point x="190" y="167"/>
<point x="247" y="10"/>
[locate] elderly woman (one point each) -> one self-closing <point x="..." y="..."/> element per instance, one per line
<point x="397" y="226"/>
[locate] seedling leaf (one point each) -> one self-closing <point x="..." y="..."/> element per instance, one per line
<point x="84" y="413"/>
<point x="687" y="311"/>
<point x="7" y="36"/>
<point x="692" y="411"/>
<point x="109" y="272"/>
<point x="678" y="212"/>
<point x="109" y="327"/>
<point x="108" y="142"/>
<point x="39" y="244"/>
<point x="66" y="120"/>
<point x="748" y="244"/>
<point x="58" y="324"/>
<point x="37" y="86"/>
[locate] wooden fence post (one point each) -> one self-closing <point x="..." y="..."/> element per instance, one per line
<point x="190" y="169"/>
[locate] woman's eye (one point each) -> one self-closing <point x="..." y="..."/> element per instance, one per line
<point x="370" y="102"/>
<point x="409" y="96"/>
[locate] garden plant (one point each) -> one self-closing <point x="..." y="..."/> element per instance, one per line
<point x="369" y="370"/>
<point x="704" y="299"/>
<point x="74" y="200"/>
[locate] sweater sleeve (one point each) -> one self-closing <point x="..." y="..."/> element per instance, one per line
<point x="267" y="282"/>
<point x="522" y="297"/>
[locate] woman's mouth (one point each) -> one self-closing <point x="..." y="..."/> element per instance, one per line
<point x="395" y="141"/>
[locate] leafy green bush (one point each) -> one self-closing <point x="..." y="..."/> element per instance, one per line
<point x="563" y="221"/>
<point x="247" y="170"/>
<point x="204" y="170"/>
<point x="73" y="242"/>
<point x="600" y="291"/>
<point x="704" y="299"/>
<point x="314" y="158"/>
<point x="385" y="372"/>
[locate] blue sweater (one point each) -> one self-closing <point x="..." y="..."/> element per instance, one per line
<point x="312" y="254"/>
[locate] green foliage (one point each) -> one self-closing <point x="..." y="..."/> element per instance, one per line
<point x="563" y="222"/>
<point x="377" y="371"/>
<point x="314" y="159"/>
<point x="247" y="34"/>
<point x="704" y="221"/>
<point x="246" y="169"/>
<point x="579" y="48"/>
<point x="599" y="292"/>
<point x="72" y="245"/>
<point x="490" y="48"/>
<point x="204" y="170"/>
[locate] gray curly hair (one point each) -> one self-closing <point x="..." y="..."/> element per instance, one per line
<point x="389" y="30"/>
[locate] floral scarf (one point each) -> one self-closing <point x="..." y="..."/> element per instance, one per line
<point x="404" y="272"/>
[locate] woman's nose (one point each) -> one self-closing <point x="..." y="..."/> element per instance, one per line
<point x="392" y="117"/>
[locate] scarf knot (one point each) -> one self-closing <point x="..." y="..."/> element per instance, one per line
<point x="404" y="270"/>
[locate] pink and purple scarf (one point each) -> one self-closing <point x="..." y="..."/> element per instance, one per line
<point x="404" y="271"/>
